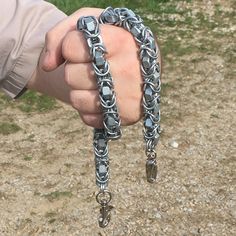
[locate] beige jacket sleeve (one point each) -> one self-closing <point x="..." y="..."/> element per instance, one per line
<point x="23" y="25"/>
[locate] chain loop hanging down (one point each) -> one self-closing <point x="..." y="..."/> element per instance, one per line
<point x="111" y="121"/>
<point x="150" y="67"/>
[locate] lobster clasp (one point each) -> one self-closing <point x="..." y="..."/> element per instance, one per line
<point x="151" y="170"/>
<point x="104" y="198"/>
<point x="105" y="215"/>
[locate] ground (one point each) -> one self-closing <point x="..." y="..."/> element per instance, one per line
<point x="47" y="184"/>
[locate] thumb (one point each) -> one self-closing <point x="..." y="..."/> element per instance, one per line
<point x="53" y="45"/>
<point x="54" y="38"/>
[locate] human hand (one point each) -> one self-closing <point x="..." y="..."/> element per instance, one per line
<point x="65" y="43"/>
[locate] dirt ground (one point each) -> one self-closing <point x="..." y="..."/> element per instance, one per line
<point x="47" y="183"/>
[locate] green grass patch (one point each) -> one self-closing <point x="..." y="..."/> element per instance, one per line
<point x="68" y="165"/>
<point x="70" y="6"/>
<point x="51" y="215"/>
<point x="57" y="195"/>
<point x="7" y="128"/>
<point x="4" y="102"/>
<point x="29" y="102"/>
<point x="51" y="220"/>
<point x="165" y="87"/>
<point x="28" y="158"/>
<point x="30" y="138"/>
<point x="203" y="22"/>
<point x="173" y="46"/>
<point x="32" y="101"/>
<point x="4" y="98"/>
<point x="150" y="6"/>
<point x="230" y="54"/>
<point x="170" y="45"/>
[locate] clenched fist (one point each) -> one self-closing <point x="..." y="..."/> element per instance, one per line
<point x="65" y="70"/>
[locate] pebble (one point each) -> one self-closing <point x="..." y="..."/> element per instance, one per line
<point x="157" y="215"/>
<point x="174" y="144"/>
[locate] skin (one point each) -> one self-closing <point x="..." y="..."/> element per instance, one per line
<point x="65" y="71"/>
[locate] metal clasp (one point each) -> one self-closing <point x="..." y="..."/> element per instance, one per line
<point x="103" y="198"/>
<point x="105" y="215"/>
<point x="151" y="167"/>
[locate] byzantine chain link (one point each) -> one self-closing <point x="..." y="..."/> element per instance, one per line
<point x="150" y="68"/>
<point x="90" y="27"/>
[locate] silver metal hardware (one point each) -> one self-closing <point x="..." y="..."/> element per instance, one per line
<point x="150" y="68"/>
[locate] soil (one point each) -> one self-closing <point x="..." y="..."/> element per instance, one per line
<point x="47" y="183"/>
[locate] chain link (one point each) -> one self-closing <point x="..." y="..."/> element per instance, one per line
<point x="90" y="27"/>
<point x="111" y="121"/>
<point x="150" y="67"/>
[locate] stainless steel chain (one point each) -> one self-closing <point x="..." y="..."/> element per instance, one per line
<point x="111" y="121"/>
<point x="150" y="67"/>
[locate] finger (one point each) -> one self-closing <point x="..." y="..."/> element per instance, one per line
<point x="86" y="101"/>
<point x="75" y="48"/>
<point x="80" y="76"/>
<point x="56" y="35"/>
<point x="125" y="72"/>
<point x="93" y="120"/>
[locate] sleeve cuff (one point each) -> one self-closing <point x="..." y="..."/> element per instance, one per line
<point x="18" y="78"/>
<point x="35" y="20"/>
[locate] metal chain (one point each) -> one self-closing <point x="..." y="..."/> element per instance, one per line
<point x="150" y="67"/>
<point x="111" y="121"/>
